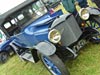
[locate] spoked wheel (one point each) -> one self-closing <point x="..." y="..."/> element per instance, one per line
<point x="95" y="25"/>
<point x="54" y="64"/>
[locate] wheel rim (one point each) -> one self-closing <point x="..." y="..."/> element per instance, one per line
<point x="96" y="27"/>
<point x="51" y="66"/>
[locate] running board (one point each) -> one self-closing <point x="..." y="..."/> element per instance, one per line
<point x="27" y="55"/>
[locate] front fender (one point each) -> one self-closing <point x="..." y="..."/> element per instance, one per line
<point x="46" y="48"/>
<point x="93" y="11"/>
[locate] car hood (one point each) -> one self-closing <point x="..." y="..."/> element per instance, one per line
<point x="39" y="26"/>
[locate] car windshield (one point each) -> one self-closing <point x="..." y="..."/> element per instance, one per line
<point x="15" y="21"/>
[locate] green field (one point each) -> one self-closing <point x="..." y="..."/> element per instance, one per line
<point x="87" y="63"/>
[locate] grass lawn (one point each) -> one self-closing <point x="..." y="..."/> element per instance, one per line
<point x="87" y="63"/>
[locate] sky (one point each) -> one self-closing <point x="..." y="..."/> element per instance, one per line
<point x="6" y="5"/>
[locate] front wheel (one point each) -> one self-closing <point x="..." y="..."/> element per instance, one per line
<point x="94" y="23"/>
<point x="54" y="64"/>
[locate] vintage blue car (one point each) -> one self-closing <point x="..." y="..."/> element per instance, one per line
<point x="36" y="34"/>
<point x="27" y="27"/>
<point x="19" y="20"/>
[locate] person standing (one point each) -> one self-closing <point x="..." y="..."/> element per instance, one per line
<point x="69" y="6"/>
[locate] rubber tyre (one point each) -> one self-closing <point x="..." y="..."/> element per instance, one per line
<point x="4" y="56"/>
<point x="55" y="62"/>
<point x="94" y="23"/>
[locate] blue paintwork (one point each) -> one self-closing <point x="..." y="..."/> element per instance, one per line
<point x="34" y="33"/>
<point x="4" y="45"/>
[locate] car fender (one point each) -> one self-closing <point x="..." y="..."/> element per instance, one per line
<point x="93" y="11"/>
<point x="45" y="48"/>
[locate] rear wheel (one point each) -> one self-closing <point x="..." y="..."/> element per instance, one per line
<point x="94" y="23"/>
<point x="54" y="64"/>
<point x="4" y="57"/>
